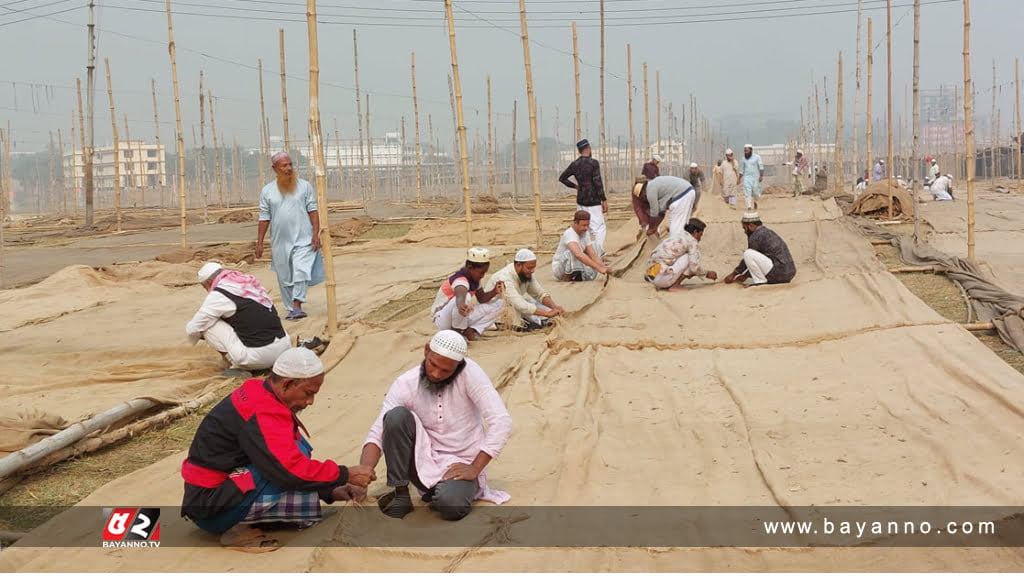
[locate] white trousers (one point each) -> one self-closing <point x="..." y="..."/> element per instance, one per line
<point x="222" y="338"/>
<point x="482" y="317"/>
<point x="598" y="229"/>
<point x="679" y="213"/>
<point x="669" y="275"/>
<point x="758" y="265"/>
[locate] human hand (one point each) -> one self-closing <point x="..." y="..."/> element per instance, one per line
<point x="465" y="309"/>
<point x="558" y="310"/>
<point x="361" y="475"/>
<point x="730" y="279"/>
<point x="349" y="492"/>
<point x="259" y="250"/>
<point x="459" y="471"/>
<point x="604" y="207"/>
<point x="499" y="286"/>
<point x="760" y="178"/>
<point x="711" y="275"/>
<point x="316" y="241"/>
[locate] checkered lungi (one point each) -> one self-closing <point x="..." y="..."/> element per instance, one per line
<point x="290" y="506"/>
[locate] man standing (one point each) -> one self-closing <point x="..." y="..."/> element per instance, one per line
<point x="668" y="194"/>
<point x="766" y="260"/>
<point x="799" y="165"/>
<point x="942" y="188"/>
<point x="288" y="208"/>
<point x="575" y="259"/>
<point x="531" y="303"/>
<point x="453" y="308"/>
<point x="678" y="258"/>
<point x="651" y="169"/>
<point x="249" y="464"/>
<point x="934" y="171"/>
<point x="238" y="320"/>
<point x="589" y="189"/>
<point x="730" y="178"/>
<point x="752" y="173"/>
<point x="879" y="171"/>
<point x="696" y="178"/>
<point x="431" y="432"/>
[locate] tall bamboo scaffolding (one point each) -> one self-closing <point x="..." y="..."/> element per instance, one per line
<point x="604" y="151"/>
<point x="319" y="162"/>
<point x="63" y="179"/>
<point x="532" y="103"/>
<point x="969" y="129"/>
<point x="657" y="90"/>
<point x="647" y="119"/>
<point x="81" y="135"/>
<point x="131" y="188"/>
<point x="177" y="115"/>
<point x="1016" y="105"/>
<point x="838" y="167"/>
<point x="203" y="174"/>
<point x="915" y="145"/>
<point x="515" y="156"/>
<point x="868" y="119"/>
<point x="416" y="115"/>
<point x="284" y="93"/>
<point x="994" y="131"/>
<point x="467" y="201"/>
<point x="629" y="93"/>
<point x="156" y="135"/>
<point x="888" y="90"/>
<point x="117" y="150"/>
<point x="264" y="153"/>
<point x="856" y="96"/>
<point x="218" y="164"/>
<point x="371" y="170"/>
<point x="817" y="129"/>
<point x="490" y="142"/>
<point x="576" y="74"/>
<point x="359" y="115"/>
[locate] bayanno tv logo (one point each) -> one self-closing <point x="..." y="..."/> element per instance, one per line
<point x="131" y="527"/>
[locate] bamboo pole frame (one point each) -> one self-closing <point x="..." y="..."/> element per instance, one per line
<point x="969" y="129"/>
<point x="1016" y="105"/>
<point x="515" y="155"/>
<point x="629" y="93"/>
<point x="63" y="179"/>
<point x="316" y="132"/>
<point x="130" y="181"/>
<point x="71" y="165"/>
<point x="888" y="92"/>
<point x="203" y="174"/>
<point x="359" y="115"/>
<point x="156" y="135"/>
<point x="994" y="132"/>
<point x="576" y="73"/>
<point x="856" y="96"/>
<point x="657" y="90"/>
<point x="490" y="141"/>
<point x="869" y="121"/>
<point x="264" y="142"/>
<point x="81" y="135"/>
<point x="416" y="115"/>
<point x="463" y="153"/>
<point x="4" y="196"/>
<point x="604" y="151"/>
<point x="52" y="161"/>
<point x="177" y="115"/>
<point x="117" y="150"/>
<point x="647" y="119"/>
<point x="915" y="142"/>
<point x="217" y="162"/>
<point x="371" y="169"/>
<point x="284" y="94"/>
<point x="840" y="164"/>
<point x="532" y="103"/>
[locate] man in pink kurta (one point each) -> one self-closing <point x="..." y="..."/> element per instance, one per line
<point x="432" y="435"/>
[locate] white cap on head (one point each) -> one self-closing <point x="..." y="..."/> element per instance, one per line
<point x="479" y="255"/>
<point x="277" y="156"/>
<point x="298" y="362"/>
<point x="450" y="344"/>
<point x="751" y="217"/>
<point x="745" y="146"/>
<point x="800" y="152"/>
<point x="656" y="158"/>
<point x="881" y="161"/>
<point x="208" y="270"/>
<point x="525" y="255"/>
<point x="950" y="176"/>
<point x="728" y="151"/>
<point x="693" y="165"/>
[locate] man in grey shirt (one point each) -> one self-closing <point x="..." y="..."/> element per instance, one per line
<point x="673" y="195"/>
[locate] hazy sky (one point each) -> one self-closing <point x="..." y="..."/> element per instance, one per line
<point x="754" y="58"/>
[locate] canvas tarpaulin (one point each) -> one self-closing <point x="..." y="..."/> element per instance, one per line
<point x="839" y="389"/>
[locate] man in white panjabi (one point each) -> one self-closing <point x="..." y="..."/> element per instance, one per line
<point x="530" y="302"/>
<point x="461" y="303"/>
<point x="730" y="178"/>
<point x="238" y="319"/>
<point x="576" y="259"/>
<point x="288" y="209"/>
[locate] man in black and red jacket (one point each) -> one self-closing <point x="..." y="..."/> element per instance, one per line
<point x="249" y="463"/>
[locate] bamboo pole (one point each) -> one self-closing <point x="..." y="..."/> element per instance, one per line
<point x="316" y="132"/>
<point x="264" y="152"/>
<point x="117" y="150"/>
<point x="868" y="119"/>
<point x="969" y="129"/>
<point x="236" y="176"/>
<point x="888" y="91"/>
<point x="177" y="114"/>
<point x="1017" y="107"/>
<point x="915" y="143"/>
<point x="817" y="129"/>
<point x="657" y="90"/>
<point x="532" y="103"/>
<point x="856" y="96"/>
<point x="604" y="151"/>
<point x="203" y="174"/>
<point x="647" y="119"/>
<point x="490" y="142"/>
<point x="341" y="165"/>
<point x="359" y="115"/>
<point x="63" y="179"/>
<point x="4" y="197"/>
<point x="576" y="72"/>
<point x="960" y="173"/>
<point x="994" y="130"/>
<point x="839" y="166"/>
<point x="284" y="94"/>
<point x="81" y="135"/>
<point x="371" y="169"/>
<point x="463" y="153"/>
<point x="515" y="157"/>
<point x="629" y="93"/>
<point x="161" y="168"/>
<point x="130" y="187"/>
<point x="51" y="164"/>
<point x="217" y="164"/>
<point x="416" y="115"/>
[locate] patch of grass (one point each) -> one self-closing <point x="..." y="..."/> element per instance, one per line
<point x="404" y="307"/>
<point x="41" y="496"/>
<point x="388" y="230"/>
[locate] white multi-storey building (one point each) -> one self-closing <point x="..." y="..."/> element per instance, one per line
<point x="142" y="165"/>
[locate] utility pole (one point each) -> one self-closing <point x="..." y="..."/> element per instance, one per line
<point x="90" y="87"/>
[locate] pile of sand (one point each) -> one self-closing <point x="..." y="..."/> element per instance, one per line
<point x="485" y="204"/>
<point x="349" y="229"/>
<point x="874" y="202"/>
<point x="777" y="190"/>
<point x="238" y="216"/>
<point x="224" y="253"/>
<point x="130" y="221"/>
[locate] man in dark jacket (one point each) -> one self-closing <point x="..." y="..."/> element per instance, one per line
<point x="589" y="191"/>
<point x="249" y="464"/>
<point x="766" y="260"/>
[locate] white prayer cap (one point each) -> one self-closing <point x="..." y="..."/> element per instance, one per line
<point x="525" y="255"/>
<point x="479" y="255"/>
<point x="656" y="158"/>
<point x="881" y="161"/>
<point x="450" y="344"/>
<point x="298" y="362"/>
<point x="693" y="165"/>
<point x="751" y="217"/>
<point x="208" y="270"/>
<point x="800" y="152"/>
<point x="745" y="146"/>
<point x="728" y="151"/>
<point x="950" y="176"/>
<point x="277" y="156"/>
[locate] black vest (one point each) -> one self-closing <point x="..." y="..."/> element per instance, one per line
<point x="255" y="325"/>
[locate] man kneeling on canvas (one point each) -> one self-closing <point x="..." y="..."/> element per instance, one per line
<point x="576" y="259"/>
<point x="249" y="464"/>
<point x="677" y="258"/>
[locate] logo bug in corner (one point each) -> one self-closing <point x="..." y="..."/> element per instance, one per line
<point x="131" y="527"/>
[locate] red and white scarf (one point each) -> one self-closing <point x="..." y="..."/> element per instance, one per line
<point x="243" y="286"/>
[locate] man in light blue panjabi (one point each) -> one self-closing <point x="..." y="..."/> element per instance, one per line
<point x="288" y="208"/>
<point x="751" y="175"/>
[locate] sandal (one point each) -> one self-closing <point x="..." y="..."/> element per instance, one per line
<point x="245" y="539"/>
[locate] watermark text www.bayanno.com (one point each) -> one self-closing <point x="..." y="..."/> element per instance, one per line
<point x="877" y="528"/>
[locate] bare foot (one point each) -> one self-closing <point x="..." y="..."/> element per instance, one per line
<point x="678" y="289"/>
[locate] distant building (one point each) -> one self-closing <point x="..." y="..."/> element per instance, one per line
<point x="142" y="165"/>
